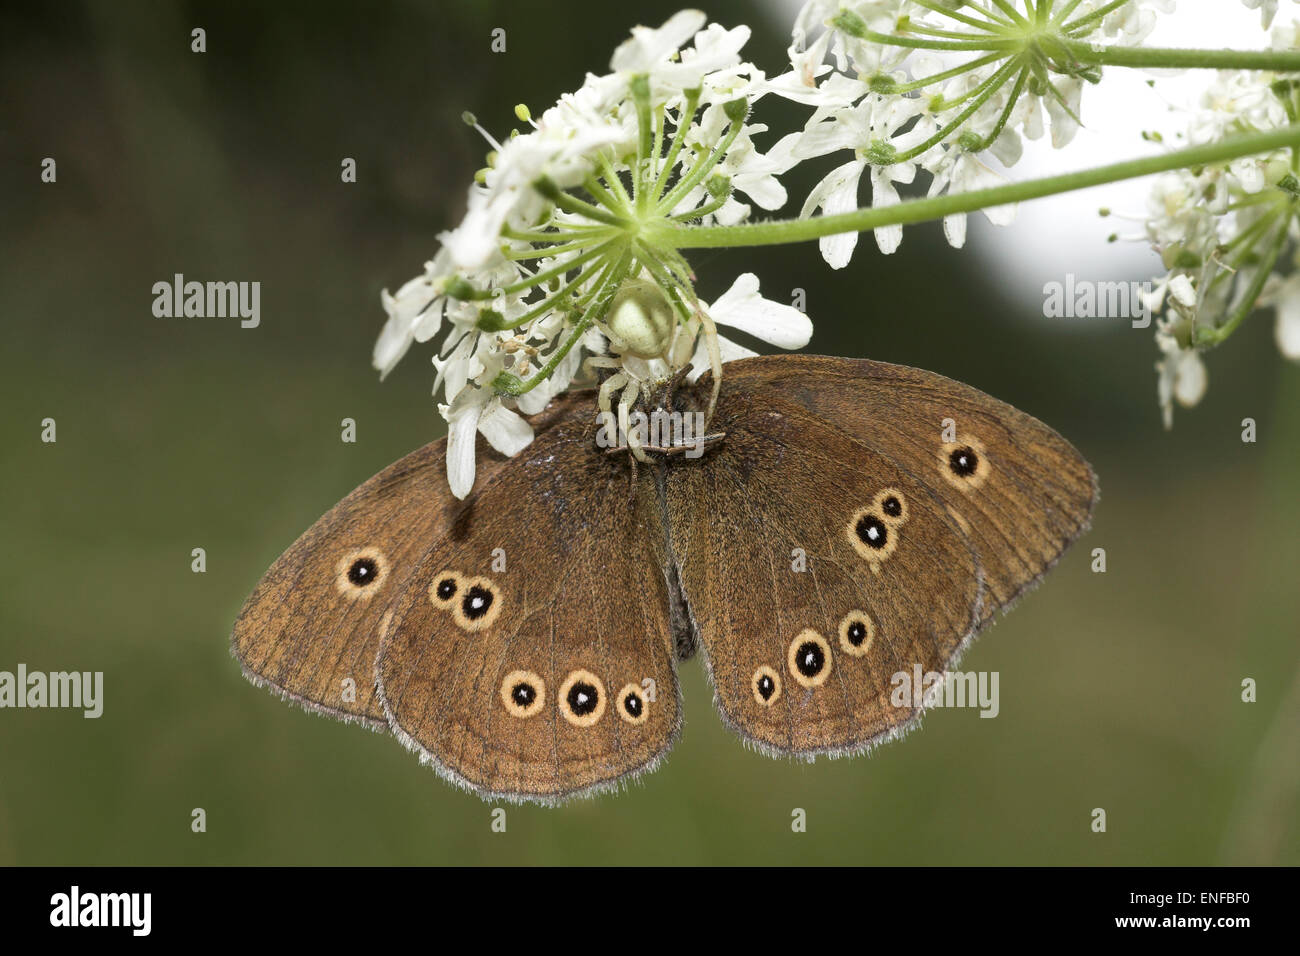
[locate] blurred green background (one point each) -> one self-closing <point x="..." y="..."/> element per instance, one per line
<point x="1118" y="690"/>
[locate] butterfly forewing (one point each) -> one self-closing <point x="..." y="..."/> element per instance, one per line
<point x="310" y="630"/>
<point x="1021" y="492"/>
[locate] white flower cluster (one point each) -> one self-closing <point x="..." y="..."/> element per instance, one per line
<point x="569" y="210"/>
<point x="1267" y="10"/>
<point x="1222" y="231"/>
<point x="924" y="85"/>
<point x="568" y="264"/>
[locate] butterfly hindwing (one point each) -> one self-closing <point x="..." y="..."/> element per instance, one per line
<point x="531" y="657"/>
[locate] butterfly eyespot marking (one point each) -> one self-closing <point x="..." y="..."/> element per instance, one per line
<point x="872" y="532"/>
<point x="873" y="536"/>
<point x="523" y="693"/>
<point x="444" y="587"/>
<point x="766" y="685"/>
<point x="632" y="704"/>
<point x="857" y="631"/>
<point x="964" y="463"/>
<point x="809" y="658"/>
<point x="360" y="573"/>
<point x="582" y="698"/>
<point x="891" y="505"/>
<point x="477" y="604"/>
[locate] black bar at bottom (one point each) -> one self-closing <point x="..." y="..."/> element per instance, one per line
<point x="337" y="905"/>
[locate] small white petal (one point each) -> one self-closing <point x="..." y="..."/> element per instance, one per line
<point x="1287" y="330"/>
<point x="391" y="345"/>
<point x="429" y="322"/>
<point x="954" y="229"/>
<point x="455" y="369"/>
<point x="837" y="250"/>
<point x="979" y="176"/>
<point x="1008" y="147"/>
<point x="731" y="213"/>
<point x="829" y="183"/>
<point x="1190" y="379"/>
<point x="883" y="193"/>
<point x="741" y="307"/>
<point x="649" y="47"/>
<point x="536" y="400"/>
<point x="462" y="430"/>
<point x="764" y="190"/>
<point x="1181" y="288"/>
<point x="1064" y="122"/>
<point x="505" y="430"/>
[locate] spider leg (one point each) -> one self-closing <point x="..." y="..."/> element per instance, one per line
<point x="604" y="400"/>
<point x="630" y="394"/>
<point x="715" y="359"/>
<point x="593" y="362"/>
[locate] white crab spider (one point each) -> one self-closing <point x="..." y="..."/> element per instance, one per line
<point x="650" y="346"/>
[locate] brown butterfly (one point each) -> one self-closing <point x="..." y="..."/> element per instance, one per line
<point x="916" y="505"/>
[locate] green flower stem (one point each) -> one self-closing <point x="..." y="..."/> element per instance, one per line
<point x="1006" y="7"/>
<point x="601" y="194"/>
<point x="982" y="94"/>
<point x="548" y="252"/>
<point x="545" y="305"/>
<point x="996" y="131"/>
<point x="1088" y="18"/>
<point x="684" y="119"/>
<point x="613" y="180"/>
<point x="667" y="282"/>
<point x="1008" y="46"/>
<point x="656" y="152"/>
<point x="555" y="272"/>
<point x="934" y="7"/>
<point x="1148" y="57"/>
<point x="1066" y="10"/>
<point x="911" y="211"/>
<point x="922" y="30"/>
<point x="1010" y="42"/>
<point x="1003" y="20"/>
<point x="1209" y="338"/>
<point x="991" y="84"/>
<point x="572" y="204"/>
<point x="640" y="86"/>
<point x="670" y="259"/>
<point x="945" y="75"/>
<point x="537" y="278"/>
<point x="507" y="384"/>
<point x="699" y="212"/>
<point x="736" y="112"/>
<point x="558" y="235"/>
<point x="1244" y="241"/>
<point x="1281" y="61"/>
